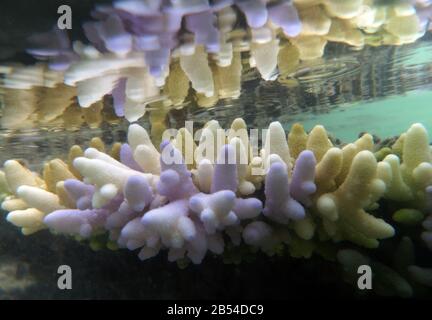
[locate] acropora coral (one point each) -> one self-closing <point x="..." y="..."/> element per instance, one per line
<point x="300" y="191"/>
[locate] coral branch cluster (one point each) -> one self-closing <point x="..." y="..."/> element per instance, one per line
<point x="299" y="189"/>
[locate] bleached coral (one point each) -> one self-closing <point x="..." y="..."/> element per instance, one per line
<point x="343" y="209"/>
<point x="301" y="190"/>
<point x="408" y="178"/>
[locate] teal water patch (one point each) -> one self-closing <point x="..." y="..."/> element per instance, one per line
<point x="419" y="55"/>
<point x="384" y="118"/>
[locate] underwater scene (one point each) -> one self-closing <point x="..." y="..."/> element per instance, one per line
<point x="216" y="149"/>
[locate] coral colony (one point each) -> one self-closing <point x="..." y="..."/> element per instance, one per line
<point x="211" y="191"/>
<point x="189" y="199"/>
<point x="142" y="51"/>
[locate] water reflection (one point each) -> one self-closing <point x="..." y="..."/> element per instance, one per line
<point x="32" y="98"/>
<point x="198" y="52"/>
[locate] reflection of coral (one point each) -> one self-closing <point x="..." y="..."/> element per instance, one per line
<point x="308" y="84"/>
<point x="138" y="46"/>
<point x="53" y="106"/>
<point x="152" y="199"/>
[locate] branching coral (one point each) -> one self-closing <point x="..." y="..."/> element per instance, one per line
<point x="190" y="199"/>
<point x="343" y="208"/>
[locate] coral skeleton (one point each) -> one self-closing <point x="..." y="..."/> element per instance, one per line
<point x="306" y="191"/>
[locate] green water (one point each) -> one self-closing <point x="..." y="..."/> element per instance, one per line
<point x="384" y="118"/>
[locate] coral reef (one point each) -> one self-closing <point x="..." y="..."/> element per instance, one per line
<point x="300" y="192"/>
<point x="215" y="192"/>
